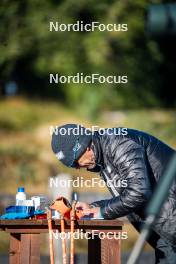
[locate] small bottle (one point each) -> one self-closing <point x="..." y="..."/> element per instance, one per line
<point x="20" y="196"/>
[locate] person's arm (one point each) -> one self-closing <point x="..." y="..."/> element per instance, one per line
<point x="132" y="163"/>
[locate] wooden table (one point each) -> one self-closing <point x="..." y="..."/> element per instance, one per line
<point x="25" y="239"/>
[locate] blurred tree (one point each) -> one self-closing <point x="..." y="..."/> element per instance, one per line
<point x="29" y="52"/>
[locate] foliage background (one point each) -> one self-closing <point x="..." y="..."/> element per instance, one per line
<point x="29" y="52"/>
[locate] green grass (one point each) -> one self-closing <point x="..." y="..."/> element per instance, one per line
<point x="24" y="115"/>
<point x="158" y="122"/>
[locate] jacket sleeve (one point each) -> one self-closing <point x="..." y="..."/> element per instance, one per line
<point x="132" y="166"/>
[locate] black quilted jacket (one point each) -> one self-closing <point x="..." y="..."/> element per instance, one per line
<point x="139" y="160"/>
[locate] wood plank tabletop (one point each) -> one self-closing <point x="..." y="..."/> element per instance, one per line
<point x="36" y="225"/>
<point x="34" y="222"/>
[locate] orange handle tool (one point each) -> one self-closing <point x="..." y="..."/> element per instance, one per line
<point x="51" y="248"/>
<point x="64" y="252"/>
<point x="63" y="206"/>
<point x="72" y="246"/>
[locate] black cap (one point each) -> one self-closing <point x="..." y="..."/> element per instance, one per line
<point x="69" y="142"/>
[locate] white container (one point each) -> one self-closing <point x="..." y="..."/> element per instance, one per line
<point x="25" y="202"/>
<point x="20" y="196"/>
<point x="36" y="201"/>
<point x="40" y="202"/>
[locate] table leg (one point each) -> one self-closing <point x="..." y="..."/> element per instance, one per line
<point x="110" y="251"/>
<point x="14" y="252"/>
<point x="35" y="249"/>
<point x="24" y="249"/>
<point x="104" y="251"/>
<point x="94" y="250"/>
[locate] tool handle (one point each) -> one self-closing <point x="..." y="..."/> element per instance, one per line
<point x="51" y="248"/>
<point x="64" y="251"/>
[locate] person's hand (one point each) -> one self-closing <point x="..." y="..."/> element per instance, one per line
<point x="91" y="212"/>
<point x="82" y="206"/>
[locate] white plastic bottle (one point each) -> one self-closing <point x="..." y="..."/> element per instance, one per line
<point x="20" y="196"/>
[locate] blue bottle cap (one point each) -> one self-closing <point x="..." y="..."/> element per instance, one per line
<point x="21" y="189"/>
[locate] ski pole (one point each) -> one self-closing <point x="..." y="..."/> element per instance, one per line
<point x="154" y="208"/>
